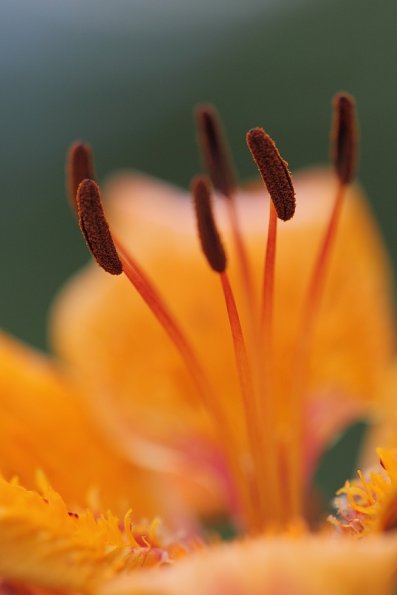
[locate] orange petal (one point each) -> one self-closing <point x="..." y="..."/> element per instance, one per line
<point x="43" y="544"/>
<point x="43" y="424"/>
<point x="275" y="566"/>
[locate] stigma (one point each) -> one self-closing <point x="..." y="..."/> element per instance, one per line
<point x="268" y="475"/>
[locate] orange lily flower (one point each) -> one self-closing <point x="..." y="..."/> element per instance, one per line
<point x="220" y="402"/>
<point x="127" y="373"/>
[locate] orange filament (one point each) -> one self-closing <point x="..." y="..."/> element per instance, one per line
<point x="213" y="250"/>
<point x="242" y="362"/>
<point x="157" y="306"/>
<point x="247" y="392"/>
<point x="320" y="270"/>
<point x="266" y="403"/>
<point x="268" y="276"/>
<point x="344" y="151"/>
<point x="274" y="172"/>
<point x="310" y="311"/>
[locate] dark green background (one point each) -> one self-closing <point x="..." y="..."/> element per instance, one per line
<point x="124" y="75"/>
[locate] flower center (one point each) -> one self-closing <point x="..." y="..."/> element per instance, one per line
<point x="268" y="478"/>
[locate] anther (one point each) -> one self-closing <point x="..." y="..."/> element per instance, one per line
<point x="210" y="240"/>
<point x="79" y="167"/>
<point x="95" y="228"/>
<point x="215" y="152"/>
<point x="274" y="172"/>
<point x="344" y="137"/>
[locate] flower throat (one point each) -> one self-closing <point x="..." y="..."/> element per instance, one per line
<point x="269" y="480"/>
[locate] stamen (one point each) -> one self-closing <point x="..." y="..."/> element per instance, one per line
<point x="112" y="256"/>
<point x="79" y="167"/>
<point x="213" y="250"/>
<point x="156" y="304"/>
<point x="217" y="160"/>
<point x="95" y="228"/>
<point x="344" y="151"/>
<point x="344" y="137"/>
<point x="274" y="171"/>
<point x="268" y="277"/>
<point x="209" y="237"/>
<point x="215" y="152"/>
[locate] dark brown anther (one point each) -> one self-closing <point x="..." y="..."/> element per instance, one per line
<point x="274" y="172"/>
<point x="214" y="149"/>
<point x="344" y="137"/>
<point x="210" y="240"/>
<point x="95" y="228"/>
<point x="79" y="167"/>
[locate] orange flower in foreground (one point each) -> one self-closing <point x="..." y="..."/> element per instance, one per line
<point x="301" y="565"/>
<point x="203" y="391"/>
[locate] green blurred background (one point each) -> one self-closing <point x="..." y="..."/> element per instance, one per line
<point x="125" y="74"/>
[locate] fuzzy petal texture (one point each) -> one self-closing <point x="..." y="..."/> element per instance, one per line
<point x="275" y="566"/>
<point x="43" y="544"/>
<point x="45" y="425"/>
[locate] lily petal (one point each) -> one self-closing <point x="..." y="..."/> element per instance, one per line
<point x="316" y="565"/>
<point x="37" y="404"/>
<point x="43" y="544"/>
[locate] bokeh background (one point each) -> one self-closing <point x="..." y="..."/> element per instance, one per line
<point x="124" y="76"/>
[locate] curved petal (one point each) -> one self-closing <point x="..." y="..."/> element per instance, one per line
<point x="45" y="545"/>
<point x="43" y="424"/>
<point x="315" y="565"/>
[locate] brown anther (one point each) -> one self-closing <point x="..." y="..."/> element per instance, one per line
<point x="274" y="172"/>
<point x="344" y="137"/>
<point x="79" y="167"/>
<point x="210" y="240"/>
<point x="95" y="228"/>
<point x="214" y="149"/>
